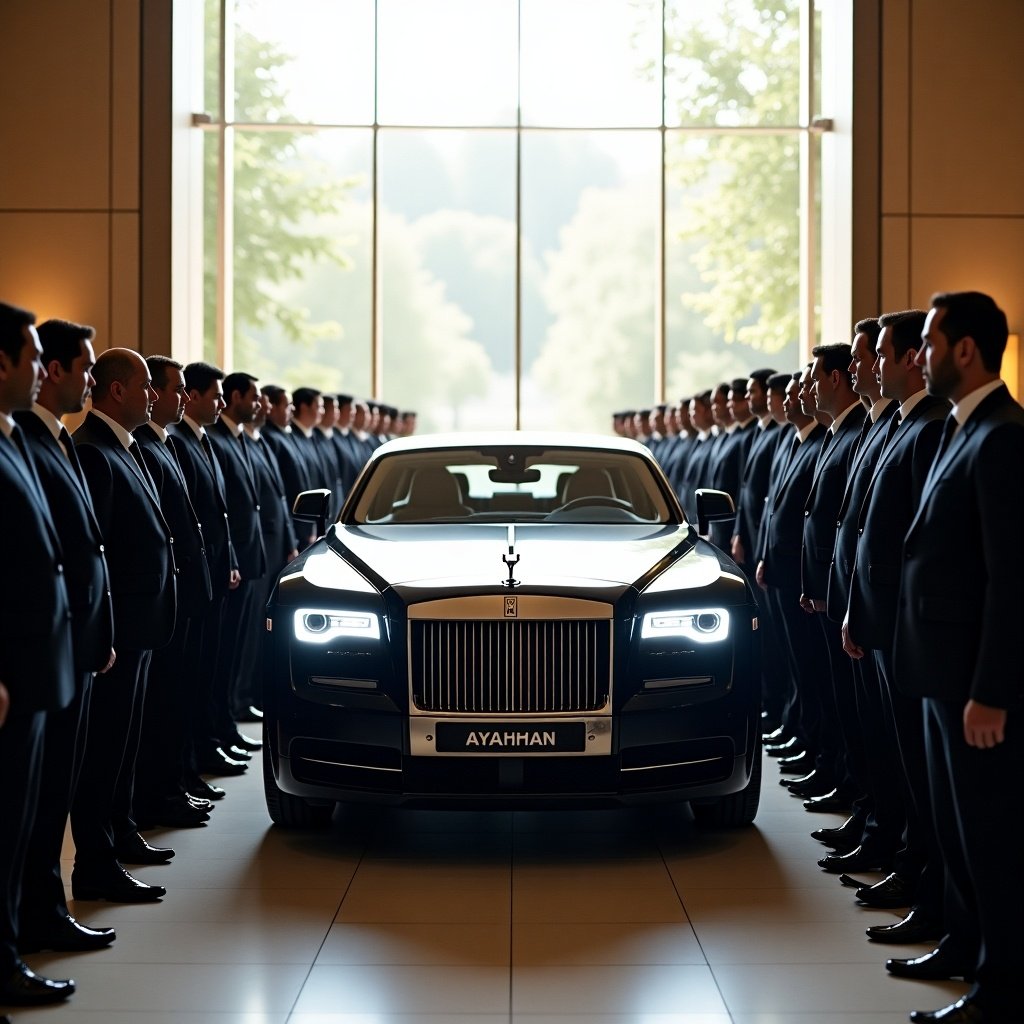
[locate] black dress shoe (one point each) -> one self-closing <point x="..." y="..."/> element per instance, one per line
<point x="797" y="764"/>
<point x="790" y="746"/>
<point x="238" y="753"/>
<point x="842" y="839"/>
<point x="858" y="859"/>
<point x="963" y="1011"/>
<point x="133" y="849"/>
<point x="830" y="803"/>
<point x="113" y="884"/>
<point x="200" y="803"/>
<point x="245" y="742"/>
<point x="891" y="891"/>
<point x="849" y="882"/>
<point x="808" y="776"/>
<point x="775" y="737"/>
<point x="215" y="762"/>
<point x="207" y="790"/>
<point x="22" y="987"/>
<point x="66" y="936"/>
<point x="938" y="965"/>
<point x="812" y="788"/>
<point x="250" y="714"/>
<point x="915" y="927"/>
<point x="171" y="813"/>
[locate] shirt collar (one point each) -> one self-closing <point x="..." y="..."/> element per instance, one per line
<point x="306" y="432"/>
<point x="838" y="421"/>
<point x="878" y="408"/>
<point x="965" y="407"/>
<point x="122" y="435"/>
<point x="763" y="422"/>
<point x="6" y="424"/>
<point x="907" y="405"/>
<point x="53" y="425"/>
<point x="253" y="431"/>
<point x="326" y="431"/>
<point x="159" y="431"/>
<point x="196" y="429"/>
<point x="805" y="432"/>
<point x="235" y="428"/>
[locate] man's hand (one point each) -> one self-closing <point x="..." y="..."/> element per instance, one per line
<point x="807" y="604"/>
<point x="738" y="554"/>
<point x="852" y="649"/>
<point x="984" y="726"/>
<point x="759" y="575"/>
<point x="110" y="662"/>
<point x="5" y="703"/>
<point x="234" y="579"/>
<point x="293" y="554"/>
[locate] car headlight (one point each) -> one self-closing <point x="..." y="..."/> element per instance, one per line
<point x="319" y="625"/>
<point x="702" y="625"/>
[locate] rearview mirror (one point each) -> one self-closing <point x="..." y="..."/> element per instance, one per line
<point x="313" y="507"/>
<point x="713" y="507"/>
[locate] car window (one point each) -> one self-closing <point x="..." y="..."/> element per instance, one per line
<point x="512" y="484"/>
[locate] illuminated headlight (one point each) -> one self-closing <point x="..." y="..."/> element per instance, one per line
<point x="702" y="625"/>
<point x="319" y="625"/>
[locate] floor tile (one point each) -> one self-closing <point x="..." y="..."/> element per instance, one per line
<point x="551" y="944"/>
<point x="428" y="904"/>
<point x="575" y="904"/>
<point x="416" y="944"/>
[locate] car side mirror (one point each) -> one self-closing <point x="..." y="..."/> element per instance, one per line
<point x="713" y="507"/>
<point x="313" y="507"/>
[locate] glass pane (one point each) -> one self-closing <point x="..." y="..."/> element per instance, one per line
<point x="211" y="56"/>
<point x="447" y="236"/>
<point x="302" y="268"/>
<point x="211" y="145"/>
<point x="590" y="274"/>
<point x="732" y="62"/>
<point x="449" y="62"/>
<point x="732" y="240"/>
<point x="305" y="60"/>
<point x="591" y="62"/>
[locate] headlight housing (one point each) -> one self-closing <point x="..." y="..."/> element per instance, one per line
<point x="701" y="625"/>
<point x="321" y="625"/>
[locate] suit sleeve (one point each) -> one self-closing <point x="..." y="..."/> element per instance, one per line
<point x="100" y="482"/>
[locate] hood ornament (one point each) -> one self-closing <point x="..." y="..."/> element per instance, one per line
<point x="511" y="559"/>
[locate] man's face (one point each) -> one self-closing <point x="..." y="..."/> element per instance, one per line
<point x="757" y="398"/>
<point x="700" y="414"/>
<point x="361" y="416"/>
<point x="282" y="410"/>
<point x="792" y="404"/>
<point x="344" y="415"/>
<point x="22" y="379"/>
<point x="936" y="356"/>
<point x="862" y="360"/>
<point x="720" y="408"/>
<point x="822" y="386"/>
<point x="171" y="399"/>
<point x="410" y="425"/>
<point x="77" y="383"/>
<point x="330" y="416"/>
<point x="138" y="396"/>
<point x="889" y="371"/>
<point x="739" y="407"/>
<point x="206" y="406"/>
<point x="247" y="405"/>
<point x="808" y="399"/>
<point x="263" y="411"/>
<point x="684" y="416"/>
<point x="777" y="404"/>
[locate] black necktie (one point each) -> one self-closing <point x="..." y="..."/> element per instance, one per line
<point x="69" y="450"/>
<point x="207" y="447"/>
<point x="890" y="431"/>
<point x="136" y="453"/>
<point x="948" y="430"/>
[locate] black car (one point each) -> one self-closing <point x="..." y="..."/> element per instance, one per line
<point x="520" y="620"/>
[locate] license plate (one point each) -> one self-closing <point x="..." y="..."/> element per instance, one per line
<point x="503" y="738"/>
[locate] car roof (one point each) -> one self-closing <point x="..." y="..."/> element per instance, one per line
<point x="502" y="438"/>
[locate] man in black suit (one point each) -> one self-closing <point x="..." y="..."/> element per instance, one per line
<point x="879" y="810"/>
<point x="957" y="646"/>
<point x="886" y="511"/>
<point x="279" y="435"/>
<point x="242" y="398"/>
<point x="37" y="669"/>
<point x="730" y="464"/>
<point x="697" y="472"/>
<point x="679" y="449"/>
<point x="350" y="459"/>
<point x="140" y="555"/>
<point x="205" y="481"/>
<point x="309" y="411"/>
<point x="840" y="754"/>
<point x="327" y="453"/>
<point x="778" y="563"/>
<point x="161" y="797"/>
<point x="69" y="358"/>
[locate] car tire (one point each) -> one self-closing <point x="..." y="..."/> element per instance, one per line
<point x="286" y="810"/>
<point x="736" y="809"/>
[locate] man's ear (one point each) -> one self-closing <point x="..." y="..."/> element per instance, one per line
<point x="967" y="351"/>
<point x="54" y="370"/>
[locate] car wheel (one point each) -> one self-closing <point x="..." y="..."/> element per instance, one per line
<point x="736" y="809"/>
<point x="286" y="810"/>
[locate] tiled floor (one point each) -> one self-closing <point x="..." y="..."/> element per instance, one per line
<point x="614" y="917"/>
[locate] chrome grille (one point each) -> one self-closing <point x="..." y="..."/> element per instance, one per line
<point x="501" y="666"/>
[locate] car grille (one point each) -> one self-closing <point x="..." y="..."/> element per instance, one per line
<point x="502" y="666"/>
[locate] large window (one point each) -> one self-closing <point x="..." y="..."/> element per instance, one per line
<point x="512" y="212"/>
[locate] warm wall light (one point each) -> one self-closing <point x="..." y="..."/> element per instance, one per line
<point x="1010" y="370"/>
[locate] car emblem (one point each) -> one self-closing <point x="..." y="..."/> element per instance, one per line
<point x="510" y="607"/>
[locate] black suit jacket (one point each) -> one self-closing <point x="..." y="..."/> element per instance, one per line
<point x="727" y="475"/>
<point x="194" y="586"/>
<point x="862" y="466"/>
<point x="350" y="459"/>
<point x="138" y="541"/>
<point x="205" y="484"/>
<point x="330" y="466"/>
<point x="961" y="601"/>
<point x="85" y="565"/>
<point x="36" y="655"/>
<point x="243" y="500"/>
<point x="279" y="538"/>
<point x="885" y="515"/>
<point x="294" y="469"/>
<point x="782" y="529"/>
<point x="821" y="513"/>
<point x="754" y="489"/>
<point x="696" y="474"/>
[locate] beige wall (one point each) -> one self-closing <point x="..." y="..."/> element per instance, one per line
<point x="89" y="142"/>
<point x="951" y="174"/>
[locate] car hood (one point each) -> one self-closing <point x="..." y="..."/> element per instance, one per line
<point x="549" y="555"/>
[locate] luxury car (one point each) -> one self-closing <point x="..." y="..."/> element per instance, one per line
<point x="514" y="620"/>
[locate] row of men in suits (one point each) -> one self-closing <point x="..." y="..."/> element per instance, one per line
<point x="880" y="533"/>
<point x="141" y="552"/>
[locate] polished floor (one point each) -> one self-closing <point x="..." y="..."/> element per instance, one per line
<point x="613" y="917"/>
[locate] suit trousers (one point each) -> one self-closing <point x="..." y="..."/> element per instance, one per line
<point x="234" y="637"/>
<point x="979" y="811"/>
<point x="776" y="681"/>
<point x="790" y="629"/>
<point x="21" y="761"/>
<point x="839" y="711"/>
<point x="248" y="682"/>
<point x="101" y="810"/>
<point x="43" y="903"/>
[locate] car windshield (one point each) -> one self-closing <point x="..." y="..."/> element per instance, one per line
<point x="514" y="484"/>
